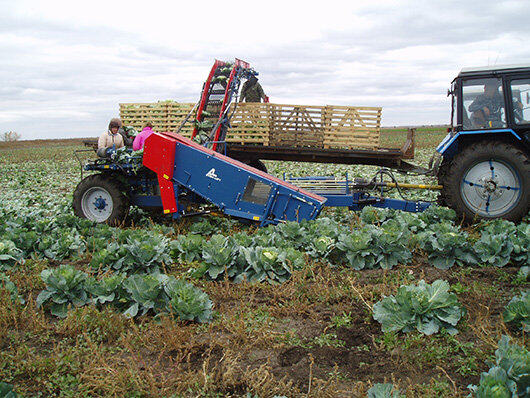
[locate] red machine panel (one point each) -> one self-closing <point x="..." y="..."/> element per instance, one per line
<point x="159" y="156"/>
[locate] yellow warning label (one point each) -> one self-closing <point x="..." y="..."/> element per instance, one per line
<point x="166" y="176"/>
<point x="166" y="211"/>
<point x="256" y="218"/>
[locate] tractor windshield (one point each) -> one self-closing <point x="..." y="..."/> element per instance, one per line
<point x="483" y="104"/>
<point x="521" y="100"/>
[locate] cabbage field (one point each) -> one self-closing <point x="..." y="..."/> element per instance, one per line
<point x="377" y="303"/>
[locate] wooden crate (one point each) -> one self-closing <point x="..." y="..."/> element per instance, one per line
<point x="273" y="124"/>
<point x="352" y="127"/>
<point x="250" y="124"/>
<point x="165" y="115"/>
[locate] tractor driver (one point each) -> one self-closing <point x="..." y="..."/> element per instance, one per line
<point x="111" y="139"/>
<point x="486" y="109"/>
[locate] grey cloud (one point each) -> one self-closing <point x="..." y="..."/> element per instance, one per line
<point x="384" y="61"/>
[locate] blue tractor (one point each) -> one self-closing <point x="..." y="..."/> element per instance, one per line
<point x="483" y="163"/>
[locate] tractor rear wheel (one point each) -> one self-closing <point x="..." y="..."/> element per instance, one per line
<point x="488" y="179"/>
<point x="100" y="199"/>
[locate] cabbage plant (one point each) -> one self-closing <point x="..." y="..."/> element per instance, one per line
<point x="187" y="248"/>
<point x="383" y="390"/>
<point x="188" y="302"/>
<point x="270" y="263"/>
<point x="9" y="254"/>
<point x="495" y="245"/>
<point x="357" y="248"/>
<point x="141" y="252"/>
<point x="515" y="360"/>
<point x="219" y="255"/>
<point x="108" y="290"/>
<point x="445" y="245"/>
<point x="6" y="390"/>
<point x="61" y="244"/>
<point x="494" y="384"/>
<point x="521" y="245"/>
<point x="146" y="292"/>
<point x="424" y="307"/>
<point x="517" y="312"/>
<point x="161" y="293"/>
<point x="11" y="289"/>
<point x="64" y="286"/>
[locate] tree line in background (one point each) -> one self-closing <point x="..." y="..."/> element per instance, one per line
<point x="10" y="136"/>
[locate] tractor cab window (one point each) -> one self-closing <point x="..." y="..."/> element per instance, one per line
<point x="521" y="100"/>
<point x="483" y="104"/>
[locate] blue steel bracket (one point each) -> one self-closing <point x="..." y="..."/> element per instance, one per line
<point x="358" y="200"/>
<point x="396" y="204"/>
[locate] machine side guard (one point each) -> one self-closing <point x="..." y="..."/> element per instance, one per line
<point x="159" y="156"/>
<point x="449" y="145"/>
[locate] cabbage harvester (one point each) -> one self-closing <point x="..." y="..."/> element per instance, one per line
<point x="482" y="166"/>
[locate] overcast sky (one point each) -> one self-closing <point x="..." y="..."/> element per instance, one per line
<point x="66" y="65"/>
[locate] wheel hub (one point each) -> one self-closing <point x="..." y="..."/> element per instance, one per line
<point x="100" y="203"/>
<point x="490" y="188"/>
<point x="96" y="204"/>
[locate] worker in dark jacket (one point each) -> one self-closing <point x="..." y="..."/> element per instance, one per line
<point x="486" y="109"/>
<point x="252" y="91"/>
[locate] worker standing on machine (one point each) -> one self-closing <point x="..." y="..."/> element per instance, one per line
<point x="111" y="139"/>
<point x="252" y="91"/>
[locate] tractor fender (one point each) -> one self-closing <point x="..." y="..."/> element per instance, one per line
<point x="453" y="142"/>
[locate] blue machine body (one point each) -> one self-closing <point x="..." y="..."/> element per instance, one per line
<point x="240" y="190"/>
<point x="183" y="166"/>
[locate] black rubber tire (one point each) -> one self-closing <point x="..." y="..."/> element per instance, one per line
<point x="482" y="151"/>
<point x="119" y="200"/>
<point x="258" y="164"/>
<point x="442" y="174"/>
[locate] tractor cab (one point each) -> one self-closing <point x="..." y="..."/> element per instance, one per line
<point x="489" y="99"/>
<point x="485" y="161"/>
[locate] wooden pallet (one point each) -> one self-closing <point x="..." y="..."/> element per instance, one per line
<point x="273" y="124"/>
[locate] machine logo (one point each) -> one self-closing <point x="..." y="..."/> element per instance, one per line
<point x="211" y="174"/>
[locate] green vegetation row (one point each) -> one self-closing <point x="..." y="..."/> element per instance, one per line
<point x="134" y="295"/>
<point x="379" y="239"/>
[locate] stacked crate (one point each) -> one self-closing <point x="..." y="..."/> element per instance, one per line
<point x="325" y="127"/>
<point x="165" y="115"/>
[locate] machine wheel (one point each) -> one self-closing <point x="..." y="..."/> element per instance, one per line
<point x="258" y="164"/>
<point x="100" y="199"/>
<point x="488" y="180"/>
